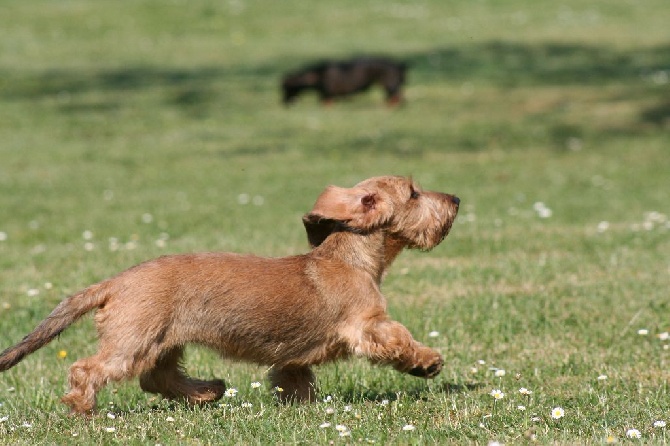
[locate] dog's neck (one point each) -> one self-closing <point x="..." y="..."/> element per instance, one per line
<point x="372" y="252"/>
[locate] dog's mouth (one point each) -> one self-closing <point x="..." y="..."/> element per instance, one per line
<point x="432" y="238"/>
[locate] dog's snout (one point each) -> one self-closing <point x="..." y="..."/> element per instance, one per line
<point x="455" y="200"/>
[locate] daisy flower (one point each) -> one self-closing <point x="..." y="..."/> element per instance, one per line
<point x="557" y="412"/>
<point x="343" y="430"/>
<point x="497" y="394"/>
<point x="231" y="392"/>
<point x="255" y="385"/>
<point x="408" y="427"/>
<point x="633" y="433"/>
<point x="659" y="423"/>
<point x="524" y="391"/>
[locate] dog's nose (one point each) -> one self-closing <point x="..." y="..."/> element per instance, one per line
<point x="456" y="200"/>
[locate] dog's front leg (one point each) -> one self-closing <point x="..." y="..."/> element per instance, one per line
<point x="388" y="342"/>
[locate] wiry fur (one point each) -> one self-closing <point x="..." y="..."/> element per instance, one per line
<point x="288" y="313"/>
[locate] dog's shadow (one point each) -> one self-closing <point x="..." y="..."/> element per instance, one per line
<point x="418" y="392"/>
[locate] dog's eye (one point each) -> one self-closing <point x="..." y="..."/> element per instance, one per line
<point x="414" y="194"/>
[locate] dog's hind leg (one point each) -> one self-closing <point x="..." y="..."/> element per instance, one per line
<point x="167" y="377"/>
<point x="293" y="383"/>
<point x="89" y="375"/>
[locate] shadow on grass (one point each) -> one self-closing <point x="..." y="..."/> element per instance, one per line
<point x="504" y="63"/>
<point x="658" y="114"/>
<point x="417" y="392"/>
<point x="128" y="79"/>
<point x="516" y="64"/>
<point x="108" y="89"/>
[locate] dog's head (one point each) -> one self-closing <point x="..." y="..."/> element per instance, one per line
<point x="293" y="84"/>
<point x="416" y="218"/>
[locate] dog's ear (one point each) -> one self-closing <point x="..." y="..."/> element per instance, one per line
<point x="318" y="229"/>
<point x="354" y="208"/>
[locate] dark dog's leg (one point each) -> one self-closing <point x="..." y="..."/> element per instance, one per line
<point x="293" y="384"/>
<point x="394" y="99"/>
<point x="168" y="378"/>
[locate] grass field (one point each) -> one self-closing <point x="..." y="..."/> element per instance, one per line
<point x="132" y="129"/>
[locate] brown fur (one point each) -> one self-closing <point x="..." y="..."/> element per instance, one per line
<point x="288" y="313"/>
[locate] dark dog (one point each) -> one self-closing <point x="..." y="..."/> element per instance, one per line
<point x="333" y="79"/>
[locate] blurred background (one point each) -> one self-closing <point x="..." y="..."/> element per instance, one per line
<point x="132" y="129"/>
<point x="113" y="110"/>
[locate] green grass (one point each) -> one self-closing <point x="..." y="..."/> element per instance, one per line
<point x="146" y="121"/>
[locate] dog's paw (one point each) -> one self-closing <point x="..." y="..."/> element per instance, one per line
<point x="430" y="370"/>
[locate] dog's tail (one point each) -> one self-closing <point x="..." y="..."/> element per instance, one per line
<point x="66" y="313"/>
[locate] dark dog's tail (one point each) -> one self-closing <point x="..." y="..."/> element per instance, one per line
<point x="66" y="313"/>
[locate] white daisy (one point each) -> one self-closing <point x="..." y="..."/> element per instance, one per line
<point x="557" y="412"/>
<point x="231" y="392"/>
<point x="497" y="394"/>
<point x="633" y="433"/>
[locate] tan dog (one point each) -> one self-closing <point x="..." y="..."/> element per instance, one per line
<point x="289" y="313"/>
